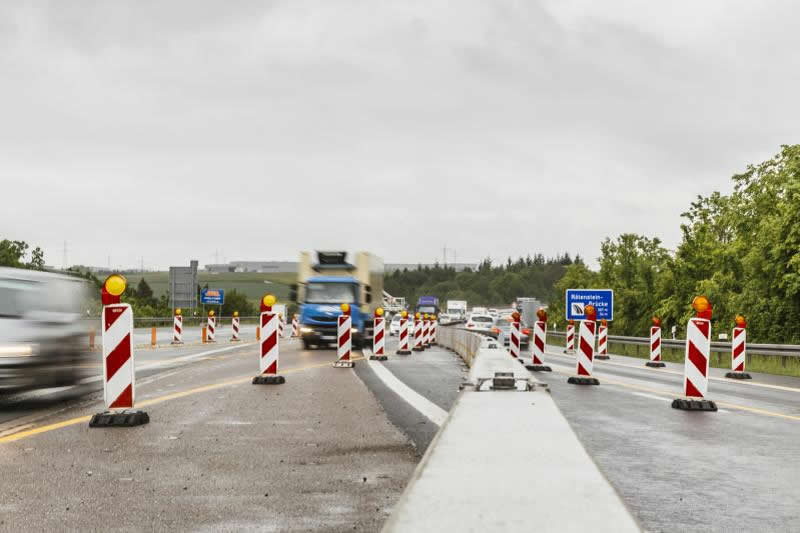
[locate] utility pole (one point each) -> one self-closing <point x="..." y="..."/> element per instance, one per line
<point x="444" y="255"/>
<point x="64" y="258"/>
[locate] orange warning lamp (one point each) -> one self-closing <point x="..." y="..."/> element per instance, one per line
<point x="379" y="312"/>
<point x="404" y="314"/>
<point x="236" y="313"/>
<point x="267" y="302"/>
<point x="571" y="322"/>
<point x="211" y="313"/>
<point x="417" y="316"/>
<point x="425" y="316"/>
<point x="656" y="322"/>
<point x="541" y="314"/>
<point x="740" y="322"/>
<point x="113" y="287"/>
<point x="702" y="307"/>
<point x="515" y="315"/>
<point x="604" y="323"/>
<point x="178" y="312"/>
<point x="590" y="312"/>
<point x="433" y="318"/>
<point x="346" y="309"/>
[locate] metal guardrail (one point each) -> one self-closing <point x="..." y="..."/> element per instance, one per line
<point x="188" y="321"/>
<point x="782" y="350"/>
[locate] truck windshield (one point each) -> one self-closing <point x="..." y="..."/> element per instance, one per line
<point x="330" y="293"/>
<point x="426" y="309"/>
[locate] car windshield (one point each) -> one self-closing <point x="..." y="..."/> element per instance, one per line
<point x="502" y="323"/>
<point x="330" y="293"/>
<point x="481" y="319"/>
<point x="396" y="318"/>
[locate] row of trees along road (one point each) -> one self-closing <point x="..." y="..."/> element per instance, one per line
<point x="742" y="250"/>
<point x="487" y="285"/>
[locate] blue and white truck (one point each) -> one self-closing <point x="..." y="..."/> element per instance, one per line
<point x="427" y="304"/>
<point x="327" y="283"/>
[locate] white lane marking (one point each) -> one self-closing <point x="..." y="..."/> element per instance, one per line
<point x="172" y="361"/>
<point x="651" y="396"/>
<point x="428" y="409"/>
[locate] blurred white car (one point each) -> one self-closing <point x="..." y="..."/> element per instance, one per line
<point x="394" y="325"/>
<point x="480" y="323"/>
<point x="43" y="342"/>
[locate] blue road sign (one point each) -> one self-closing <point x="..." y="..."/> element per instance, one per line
<point x="602" y="299"/>
<point x="212" y="296"/>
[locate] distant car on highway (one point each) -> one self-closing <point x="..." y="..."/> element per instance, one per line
<point x="43" y="342"/>
<point x="394" y="325"/>
<point x="502" y="328"/>
<point x="480" y="323"/>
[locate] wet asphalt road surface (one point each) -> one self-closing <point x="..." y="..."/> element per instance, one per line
<point x="731" y="470"/>
<point x="219" y="454"/>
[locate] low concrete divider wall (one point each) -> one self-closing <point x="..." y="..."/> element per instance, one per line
<point x="461" y="341"/>
<point x="506" y="460"/>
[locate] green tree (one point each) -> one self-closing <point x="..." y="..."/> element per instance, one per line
<point x="143" y="290"/>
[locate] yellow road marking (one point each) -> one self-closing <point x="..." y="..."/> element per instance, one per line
<point x="667" y="371"/>
<point x="153" y="401"/>
<point x="673" y="395"/>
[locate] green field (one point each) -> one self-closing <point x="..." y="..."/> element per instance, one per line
<point x="250" y="283"/>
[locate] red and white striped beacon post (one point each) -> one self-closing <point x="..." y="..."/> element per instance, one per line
<point x="119" y="371"/>
<point x="235" y="327"/>
<point x="379" y="336"/>
<point x="514" y="336"/>
<point x="539" y="343"/>
<point x="698" y="354"/>
<point x="602" y="340"/>
<point x="295" y="326"/>
<point x="212" y="327"/>
<point x="739" y="350"/>
<point x="403" y="345"/>
<point x="434" y="327"/>
<point x="268" y="360"/>
<point x="570" y="338"/>
<point x="281" y="326"/>
<point x="426" y="331"/>
<point x="418" y="333"/>
<point x="655" y="345"/>
<point x="585" y="362"/>
<point x="177" y="327"/>
<point x="344" y="339"/>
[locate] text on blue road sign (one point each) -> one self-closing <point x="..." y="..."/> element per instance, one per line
<point x="212" y="296"/>
<point x="601" y="299"/>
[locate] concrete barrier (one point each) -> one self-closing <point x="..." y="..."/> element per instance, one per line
<point x="506" y="460"/>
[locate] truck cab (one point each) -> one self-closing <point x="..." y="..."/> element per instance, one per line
<point x="327" y="284"/>
<point x="428" y="304"/>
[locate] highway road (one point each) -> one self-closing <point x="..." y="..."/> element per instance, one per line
<point x="733" y="470"/>
<point x="332" y="449"/>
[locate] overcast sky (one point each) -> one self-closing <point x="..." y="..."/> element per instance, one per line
<point x="173" y="130"/>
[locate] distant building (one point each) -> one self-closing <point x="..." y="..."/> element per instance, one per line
<point x="291" y="266"/>
<point x="254" y="266"/>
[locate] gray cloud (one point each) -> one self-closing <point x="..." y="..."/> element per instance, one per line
<point x="171" y="130"/>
